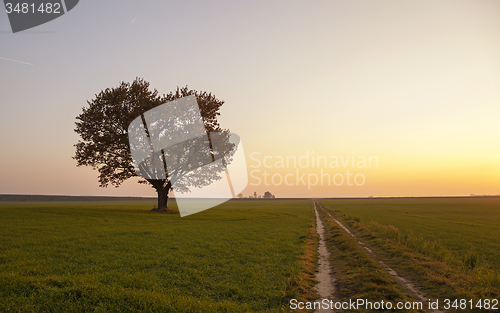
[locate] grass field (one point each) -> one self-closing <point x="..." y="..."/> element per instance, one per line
<point x="448" y="246"/>
<point x="357" y="275"/>
<point x="462" y="225"/>
<point x="243" y="256"/>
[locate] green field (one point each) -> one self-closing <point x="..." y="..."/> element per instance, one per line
<point x="460" y="224"/>
<point x="447" y="246"/>
<point x="242" y="256"/>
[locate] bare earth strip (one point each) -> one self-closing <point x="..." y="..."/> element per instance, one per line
<point x="325" y="287"/>
<point x="408" y="285"/>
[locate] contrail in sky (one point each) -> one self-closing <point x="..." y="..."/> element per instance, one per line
<point x="16" y="61"/>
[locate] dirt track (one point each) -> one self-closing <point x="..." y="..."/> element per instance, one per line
<point x="325" y="286"/>
<point x="405" y="283"/>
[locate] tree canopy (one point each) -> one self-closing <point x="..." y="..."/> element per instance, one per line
<point x="103" y="125"/>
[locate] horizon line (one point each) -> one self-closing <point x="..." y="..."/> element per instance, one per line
<point x="5" y="197"/>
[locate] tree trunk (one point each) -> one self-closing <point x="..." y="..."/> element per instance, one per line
<point x="162" y="191"/>
<point x="162" y="199"/>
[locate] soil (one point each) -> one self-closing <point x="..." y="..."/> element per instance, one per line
<point x="325" y="287"/>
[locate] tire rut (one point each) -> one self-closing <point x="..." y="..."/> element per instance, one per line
<point x="325" y="286"/>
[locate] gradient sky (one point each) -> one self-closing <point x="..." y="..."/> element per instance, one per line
<point x="414" y="83"/>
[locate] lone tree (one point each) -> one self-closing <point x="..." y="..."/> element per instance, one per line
<point x="103" y="126"/>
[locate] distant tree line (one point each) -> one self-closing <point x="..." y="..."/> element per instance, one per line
<point x="267" y="195"/>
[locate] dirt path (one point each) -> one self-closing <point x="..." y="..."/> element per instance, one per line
<point x="408" y="285"/>
<point x="325" y="287"/>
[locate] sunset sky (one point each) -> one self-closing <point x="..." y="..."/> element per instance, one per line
<point x="413" y="84"/>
